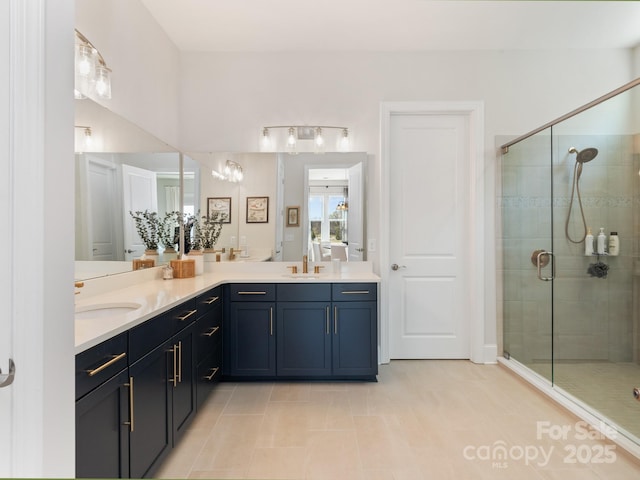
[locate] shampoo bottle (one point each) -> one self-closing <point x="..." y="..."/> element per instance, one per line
<point x="602" y="239"/>
<point x="588" y="243"/>
<point x="614" y="244"/>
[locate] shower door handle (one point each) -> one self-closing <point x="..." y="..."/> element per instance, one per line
<point x="539" y="265"/>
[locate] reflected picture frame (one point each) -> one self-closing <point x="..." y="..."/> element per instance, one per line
<point x="220" y="205"/>
<point x="257" y="210"/>
<point x="293" y="216"/>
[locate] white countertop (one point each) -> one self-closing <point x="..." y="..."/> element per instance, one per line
<point x="156" y="296"/>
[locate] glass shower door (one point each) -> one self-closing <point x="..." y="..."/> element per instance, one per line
<point x="526" y="200"/>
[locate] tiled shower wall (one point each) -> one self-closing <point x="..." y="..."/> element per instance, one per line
<point x="593" y="318"/>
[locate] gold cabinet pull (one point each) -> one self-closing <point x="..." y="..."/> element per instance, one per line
<point x="174" y="380"/>
<point x="327" y="317"/>
<point x="214" y="370"/>
<point x="211" y="300"/>
<point x="355" y="292"/>
<point x="335" y="320"/>
<point x="180" y="361"/>
<point x="213" y="330"/>
<point x="130" y="422"/>
<point x="252" y="293"/>
<point x="271" y="321"/>
<point x="114" y="359"/>
<point x="183" y="318"/>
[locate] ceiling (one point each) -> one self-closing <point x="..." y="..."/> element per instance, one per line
<point x="395" y="25"/>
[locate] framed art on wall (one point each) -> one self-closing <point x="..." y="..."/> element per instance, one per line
<point x="257" y="209"/>
<point x="293" y="216"/>
<point x="220" y="205"/>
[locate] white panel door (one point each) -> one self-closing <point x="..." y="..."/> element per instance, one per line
<point x="355" y="233"/>
<point x="102" y="209"/>
<point x="429" y="292"/>
<point x="140" y="193"/>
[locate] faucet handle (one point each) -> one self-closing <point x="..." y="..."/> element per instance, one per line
<point x="294" y="268"/>
<point x="316" y="268"/>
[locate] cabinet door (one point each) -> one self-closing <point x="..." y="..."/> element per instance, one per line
<point x="355" y="339"/>
<point x="102" y="438"/>
<point x="303" y="339"/>
<point x="151" y="433"/>
<point x="252" y="333"/>
<point x="182" y="380"/>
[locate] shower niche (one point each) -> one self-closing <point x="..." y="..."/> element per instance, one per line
<point x="571" y="323"/>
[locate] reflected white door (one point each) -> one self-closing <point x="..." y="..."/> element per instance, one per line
<point x="140" y="193"/>
<point x="355" y="217"/>
<point x="429" y="290"/>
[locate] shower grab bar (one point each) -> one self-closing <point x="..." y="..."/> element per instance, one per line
<point x="539" y="265"/>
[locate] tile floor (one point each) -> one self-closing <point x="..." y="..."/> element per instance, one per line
<point x="422" y="420"/>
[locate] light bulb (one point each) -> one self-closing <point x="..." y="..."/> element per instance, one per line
<point x="88" y="140"/>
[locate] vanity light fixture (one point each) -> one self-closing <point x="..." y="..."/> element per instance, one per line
<point x="303" y="138"/>
<point x="92" y="75"/>
<point x="232" y="172"/>
<point x="88" y="139"/>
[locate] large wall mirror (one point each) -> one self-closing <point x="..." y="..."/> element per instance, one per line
<point x="313" y="204"/>
<point x="120" y="167"/>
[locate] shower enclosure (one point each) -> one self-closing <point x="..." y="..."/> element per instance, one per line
<point x="571" y="317"/>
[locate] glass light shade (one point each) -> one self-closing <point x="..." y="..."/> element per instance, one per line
<point x="266" y="140"/>
<point x="103" y="82"/>
<point x="318" y="141"/>
<point x="291" y="141"/>
<point x="344" y="141"/>
<point x="85" y="61"/>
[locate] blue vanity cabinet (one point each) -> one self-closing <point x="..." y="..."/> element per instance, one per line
<point x="208" y="342"/>
<point x="252" y="337"/>
<point x="162" y="375"/>
<point x="303" y="330"/>
<point x="355" y="330"/>
<point x="102" y="410"/>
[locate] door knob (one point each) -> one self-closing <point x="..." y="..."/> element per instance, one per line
<point x="129" y="251"/>
<point x="636" y="393"/>
<point x="6" y="380"/>
<point x="395" y="266"/>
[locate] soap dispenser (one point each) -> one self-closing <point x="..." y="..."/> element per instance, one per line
<point x="602" y="240"/>
<point x="614" y="244"/>
<point x="588" y="243"/>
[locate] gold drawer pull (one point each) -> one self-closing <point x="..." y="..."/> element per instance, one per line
<point x="213" y="330"/>
<point x="113" y="360"/>
<point x="182" y="319"/>
<point x="130" y="422"/>
<point x="211" y="300"/>
<point x="213" y="373"/>
<point x="252" y="293"/>
<point x="356" y="292"/>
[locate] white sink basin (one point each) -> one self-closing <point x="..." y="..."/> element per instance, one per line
<point x="103" y="310"/>
<point x="302" y="276"/>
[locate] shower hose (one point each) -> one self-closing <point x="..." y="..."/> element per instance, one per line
<point x="575" y="188"/>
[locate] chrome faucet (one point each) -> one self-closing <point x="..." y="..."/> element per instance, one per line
<point x="305" y="264"/>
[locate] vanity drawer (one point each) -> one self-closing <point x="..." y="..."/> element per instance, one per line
<point x="208" y="300"/>
<point x="208" y="331"/>
<point x="354" y="292"/>
<point x="296" y="292"/>
<point x="148" y="335"/>
<point x="182" y="315"/>
<point x="252" y="292"/>
<point x="98" y="364"/>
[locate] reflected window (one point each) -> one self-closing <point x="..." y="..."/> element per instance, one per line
<point x="328" y="215"/>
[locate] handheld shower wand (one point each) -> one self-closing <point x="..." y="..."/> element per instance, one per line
<point x="582" y="157"/>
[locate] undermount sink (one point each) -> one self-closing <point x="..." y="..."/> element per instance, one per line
<point x="302" y="276"/>
<point x="103" y="310"/>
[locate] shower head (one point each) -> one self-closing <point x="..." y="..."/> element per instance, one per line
<point x="585" y="155"/>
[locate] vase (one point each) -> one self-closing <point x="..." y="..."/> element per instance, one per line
<point x="209" y="254"/>
<point x="169" y="254"/>
<point x="152" y="254"/>
<point x="199" y="259"/>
